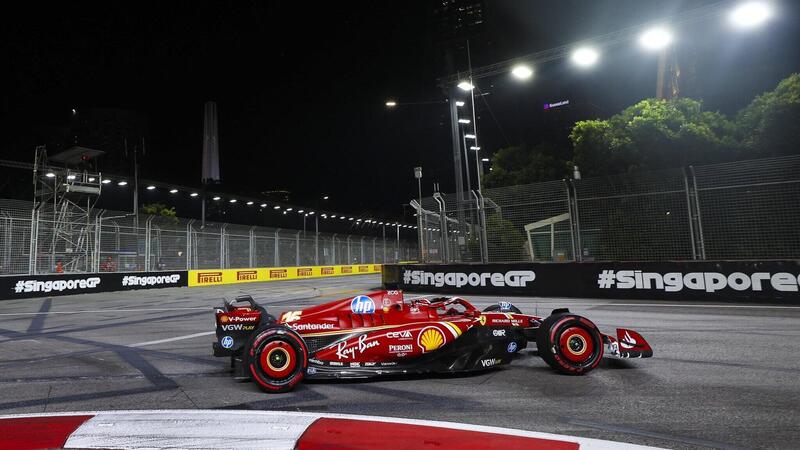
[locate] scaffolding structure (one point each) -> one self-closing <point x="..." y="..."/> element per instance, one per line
<point x="61" y="216"/>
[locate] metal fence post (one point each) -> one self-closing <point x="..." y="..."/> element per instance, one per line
<point x="484" y="246"/>
<point x="7" y="240"/>
<point x="33" y="243"/>
<point x="189" y="244"/>
<point x="148" y="235"/>
<point x="222" y="254"/>
<point x="689" y="210"/>
<point x="362" y="250"/>
<point x="97" y="241"/>
<point x="484" y="231"/>
<point x="333" y="248"/>
<point x="349" y="259"/>
<point x="297" y="248"/>
<point x="571" y="223"/>
<point x="577" y="223"/>
<point x="277" y="248"/>
<point x="252" y="247"/>
<point x="699" y="217"/>
<point x="445" y="243"/>
<point x="384" y="243"/>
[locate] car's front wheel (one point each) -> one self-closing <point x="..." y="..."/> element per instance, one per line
<point x="277" y="358"/>
<point x="569" y="343"/>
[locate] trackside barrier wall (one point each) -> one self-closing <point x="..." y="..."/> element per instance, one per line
<point x="753" y="281"/>
<point x="232" y="276"/>
<point x="27" y="286"/>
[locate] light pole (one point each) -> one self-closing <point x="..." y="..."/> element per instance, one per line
<point x="418" y="176"/>
<point x="466" y="159"/>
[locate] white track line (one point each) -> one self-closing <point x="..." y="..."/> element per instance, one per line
<point x="178" y="338"/>
<point x="684" y="305"/>
<point x="107" y="310"/>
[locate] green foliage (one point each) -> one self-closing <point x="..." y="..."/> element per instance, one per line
<point x="161" y="210"/>
<point x="653" y="134"/>
<point x="522" y="165"/>
<point x="770" y="124"/>
<point x="505" y="242"/>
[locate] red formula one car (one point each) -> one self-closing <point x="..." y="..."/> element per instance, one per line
<point x="381" y="334"/>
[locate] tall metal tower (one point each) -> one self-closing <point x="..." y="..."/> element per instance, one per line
<point x="62" y="226"/>
<point x="210" y="173"/>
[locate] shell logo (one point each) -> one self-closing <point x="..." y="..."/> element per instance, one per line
<point x="430" y="339"/>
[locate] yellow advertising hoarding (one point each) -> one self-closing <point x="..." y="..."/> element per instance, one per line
<point x="214" y="277"/>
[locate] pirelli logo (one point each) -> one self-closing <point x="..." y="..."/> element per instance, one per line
<point x="209" y="277"/>
<point x="304" y="271"/>
<point x="278" y="273"/>
<point x="376" y="268"/>
<point x="347" y="269"/>
<point x="246" y="275"/>
<point x="363" y="269"/>
<point x="327" y="271"/>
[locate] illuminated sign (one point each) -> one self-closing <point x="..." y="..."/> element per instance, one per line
<point x="556" y="104"/>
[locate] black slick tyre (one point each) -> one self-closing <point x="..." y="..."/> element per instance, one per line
<point x="570" y="344"/>
<point x="277" y="358"/>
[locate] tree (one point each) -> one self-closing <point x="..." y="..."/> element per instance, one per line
<point x="653" y="134"/>
<point x="770" y="124"/>
<point x="522" y="165"/>
<point x="505" y="242"/>
<point x="161" y="210"/>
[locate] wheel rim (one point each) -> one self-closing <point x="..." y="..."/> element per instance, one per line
<point x="576" y="344"/>
<point x="278" y="359"/>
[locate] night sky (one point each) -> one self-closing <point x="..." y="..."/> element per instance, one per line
<point x="301" y="86"/>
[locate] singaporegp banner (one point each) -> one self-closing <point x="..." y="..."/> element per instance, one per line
<point x="690" y="280"/>
<point x="26" y="286"/>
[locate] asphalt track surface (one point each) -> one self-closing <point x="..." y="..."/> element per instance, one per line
<point x="723" y="375"/>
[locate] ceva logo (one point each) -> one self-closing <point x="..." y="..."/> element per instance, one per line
<point x="362" y="305"/>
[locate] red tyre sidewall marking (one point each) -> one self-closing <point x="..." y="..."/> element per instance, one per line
<point x="576" y="333"/>
<point x="557" y="356"/>
<point x="268" y="384"/>
<point x="278" y="346"/>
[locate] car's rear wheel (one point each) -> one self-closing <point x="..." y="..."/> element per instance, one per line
<point x="277" y="358"/>
<point x="569" y="343"/>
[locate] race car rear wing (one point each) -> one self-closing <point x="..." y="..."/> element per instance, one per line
<point x="235" y="321"/>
